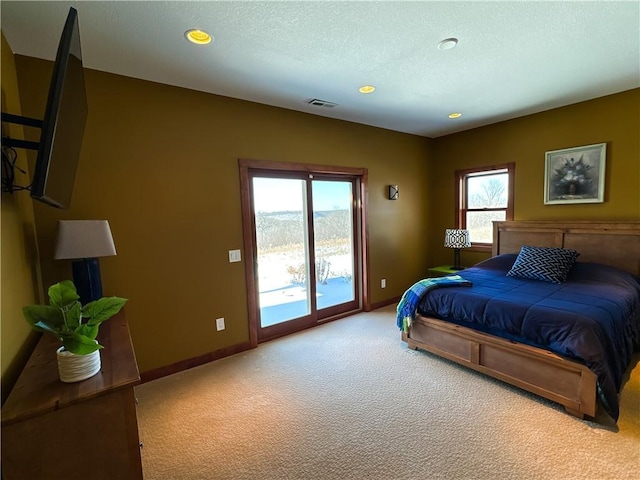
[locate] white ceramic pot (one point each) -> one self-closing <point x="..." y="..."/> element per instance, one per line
<point x="74" y="368"/>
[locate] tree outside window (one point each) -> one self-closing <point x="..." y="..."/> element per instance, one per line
<point x="485" y="195"/>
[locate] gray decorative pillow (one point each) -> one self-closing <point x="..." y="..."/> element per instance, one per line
<point x="543" y="263"/>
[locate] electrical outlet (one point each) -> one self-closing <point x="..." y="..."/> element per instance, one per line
<point x="383" y="283"/>
<point x="219" y="324"/>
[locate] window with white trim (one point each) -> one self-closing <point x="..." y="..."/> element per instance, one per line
<point x="484" y="194"/>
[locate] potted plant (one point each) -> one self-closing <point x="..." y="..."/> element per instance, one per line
<point x="76" y="326"/>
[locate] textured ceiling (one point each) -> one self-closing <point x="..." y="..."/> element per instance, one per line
<point x="512" y="59"/>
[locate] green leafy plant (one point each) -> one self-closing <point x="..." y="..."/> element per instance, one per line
<point x="75" y="325"/>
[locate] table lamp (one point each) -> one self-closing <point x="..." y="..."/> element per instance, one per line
<point x="84" y="241"/>
<point x="456" y="239"/>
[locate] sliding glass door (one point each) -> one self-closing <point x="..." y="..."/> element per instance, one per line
<point x="282" y="249"/>
<point x="333" y="233"/>
<point x="304" y="249"/>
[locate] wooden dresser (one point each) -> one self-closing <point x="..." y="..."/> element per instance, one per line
<point x="84" y="430"/>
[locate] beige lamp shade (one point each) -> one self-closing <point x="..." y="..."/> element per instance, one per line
<point x="84" y="239"/>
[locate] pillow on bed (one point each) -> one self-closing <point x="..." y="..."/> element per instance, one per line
<point x="543" y="263"/>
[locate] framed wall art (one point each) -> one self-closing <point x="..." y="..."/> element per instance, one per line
<point x="575" y="175"/>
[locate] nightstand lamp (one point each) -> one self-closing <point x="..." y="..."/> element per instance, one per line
<point x="456" y="239"/>
<point x="84" y="241"/>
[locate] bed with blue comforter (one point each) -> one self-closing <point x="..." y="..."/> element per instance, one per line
<point x="592" y="317"/>
<point x="555" y="311"/>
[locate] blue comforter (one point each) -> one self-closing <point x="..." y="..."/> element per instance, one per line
<point x="593" y="317"/>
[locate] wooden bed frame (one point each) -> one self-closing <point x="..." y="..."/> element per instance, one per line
<point x="562" y="380"/>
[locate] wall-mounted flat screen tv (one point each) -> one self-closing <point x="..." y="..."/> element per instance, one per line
<point x="64" y="121"/>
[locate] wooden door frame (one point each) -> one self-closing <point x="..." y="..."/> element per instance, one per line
<point x="248" y="228"/>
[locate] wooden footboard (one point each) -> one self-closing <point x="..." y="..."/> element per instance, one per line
<point x="544" y="373"/>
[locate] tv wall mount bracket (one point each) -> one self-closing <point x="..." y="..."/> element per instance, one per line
<point x="8" y="153"/>
<point x="20" y="120"/>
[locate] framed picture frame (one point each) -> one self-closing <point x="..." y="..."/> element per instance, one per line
<point x="575" y="175"/>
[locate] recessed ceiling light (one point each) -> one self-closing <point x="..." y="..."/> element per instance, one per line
<point x="199" y="37"/>
<point x="367" y="89"/>
<point x="448" y="43"/>
<point x="455" y="115"/>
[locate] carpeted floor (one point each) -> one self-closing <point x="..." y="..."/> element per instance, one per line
<point x="348" y="400"/>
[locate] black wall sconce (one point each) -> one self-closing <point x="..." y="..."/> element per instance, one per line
<point x="394" y="192"/>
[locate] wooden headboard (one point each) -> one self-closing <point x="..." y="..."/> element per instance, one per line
<point x="611" y="243"/>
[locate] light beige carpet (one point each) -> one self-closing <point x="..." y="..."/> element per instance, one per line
<point x="348" y="400"/>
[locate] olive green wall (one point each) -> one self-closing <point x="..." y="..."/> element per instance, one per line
<point x="160" y="163"/>
<point x="19" y="256"/>
<point x="614" y="119"/>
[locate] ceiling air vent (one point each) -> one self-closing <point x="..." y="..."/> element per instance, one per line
<point x="321" y="103"/>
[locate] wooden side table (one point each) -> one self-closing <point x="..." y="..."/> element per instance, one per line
<point x="442" y="271"/>
<point x="83" y="430"/>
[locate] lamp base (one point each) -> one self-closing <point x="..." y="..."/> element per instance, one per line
<point x="456" y="260"/>
<point x="86" y="277"/>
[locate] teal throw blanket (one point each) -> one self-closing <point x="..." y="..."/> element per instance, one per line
<point x="409" y="302"/>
